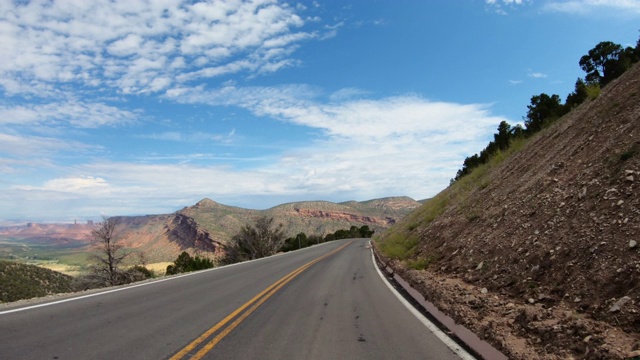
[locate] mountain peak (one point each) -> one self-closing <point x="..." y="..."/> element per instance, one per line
<point x="206" y="202"/>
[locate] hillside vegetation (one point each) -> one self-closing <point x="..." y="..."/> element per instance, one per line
<point x="536" y="249"/>
<point x="21" y="281"/>
<point x="310" y="217"/>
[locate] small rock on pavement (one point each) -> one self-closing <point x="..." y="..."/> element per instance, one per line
<point x="632" y="244"/>
<point x="619" y="304"/>
<point x="480" y="265"/>
<point x="484" y="290"/>
<point x="531" y="300"/>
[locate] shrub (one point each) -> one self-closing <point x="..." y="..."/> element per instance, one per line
<point x="187" y="263"/>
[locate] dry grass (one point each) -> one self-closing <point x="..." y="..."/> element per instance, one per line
<point x="70" y="270"/>
<point x="159" y="268"/>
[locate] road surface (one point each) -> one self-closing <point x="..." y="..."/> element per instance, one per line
<point x="323" y="302"/>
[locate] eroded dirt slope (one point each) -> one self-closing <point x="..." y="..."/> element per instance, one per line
<point x="543" y="257"/>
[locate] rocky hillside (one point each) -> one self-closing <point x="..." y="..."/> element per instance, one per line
<point x="538" y="250"/>
<point x="310" y="217"/>
<point x="208" y="225"/>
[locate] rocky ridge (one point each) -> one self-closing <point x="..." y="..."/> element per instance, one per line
<point x="368" y="220"/>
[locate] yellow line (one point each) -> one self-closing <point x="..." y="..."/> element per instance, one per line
<point x="215" y="328"/>
<point x="256" y="301"/>
<point x="237" y="322"/>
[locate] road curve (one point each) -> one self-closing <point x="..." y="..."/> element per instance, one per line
<point x="323" y="302"/>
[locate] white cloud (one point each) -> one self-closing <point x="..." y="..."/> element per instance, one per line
<point x="361" y="140"/>
<point x="347" y="94"/>
<point x="31" y="149"/>
<point x="147" y="46"/>
<point x="170" y="47"/>
<point x="537" y="75"/>
<point x="190" y="137"/>
<point x="85" y="184"/>
<point x="364" y="138"/>
<point x="75" y="113"/>
<point x="499" y="6"/>
<point x="586" y="7"/>
<point x="358" y="119"/>
<point x="126" y="46"/>
<point x="506" y="2"/>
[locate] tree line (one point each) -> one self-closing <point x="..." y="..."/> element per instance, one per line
<point x="264" y="238"/>
<point x="302" y="240"/>
<point x="602" y="64"/>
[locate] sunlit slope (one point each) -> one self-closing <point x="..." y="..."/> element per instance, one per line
<point x="555" y="217"/>
<point x="310" y="217"/>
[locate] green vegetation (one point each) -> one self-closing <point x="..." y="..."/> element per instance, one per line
<point x="254" y="242"/>
<point x="21" y="281"/>
<point x="401" y="241"/>
<point x="186" y="263"/>
<point x="302" y="240"/>
<point x="604" y="63"/>
<point x="626" y="155"/>
<point x="264" y="239"/>
<point x="420" y="264"/>
<point x="397" y="246"/>
<point x="33" y="252"/>
<point x="607" y="61"/>
<point x="353" y="232"/>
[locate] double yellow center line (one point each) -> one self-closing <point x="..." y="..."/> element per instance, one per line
<point x="242" y="312"/>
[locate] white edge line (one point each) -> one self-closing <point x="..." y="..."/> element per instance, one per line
<point x="127" y="287"/>
<point x="462" y="353"/>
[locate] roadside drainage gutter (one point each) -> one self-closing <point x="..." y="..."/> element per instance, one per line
<point x="463" y="336"/>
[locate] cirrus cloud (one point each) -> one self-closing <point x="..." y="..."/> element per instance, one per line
<point x="74" y="113"/>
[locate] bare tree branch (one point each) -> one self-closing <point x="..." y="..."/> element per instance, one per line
<point x="109" y="254"/>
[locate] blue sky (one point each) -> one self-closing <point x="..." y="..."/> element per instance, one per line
<point x="140" y="107"/>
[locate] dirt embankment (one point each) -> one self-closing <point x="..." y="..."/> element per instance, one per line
<point x="543" y="257"/>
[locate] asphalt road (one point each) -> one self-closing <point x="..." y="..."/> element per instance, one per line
<point x="324" y="302"/>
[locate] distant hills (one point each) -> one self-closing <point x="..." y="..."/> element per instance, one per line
<point x="207" y="225"/>
<point x="202" y="227"/>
